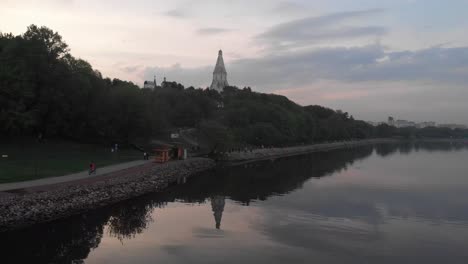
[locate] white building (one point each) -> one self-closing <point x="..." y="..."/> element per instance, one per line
<point x="219" y="74"/>
<point x="372" y="123"/>
<point x="405" y="123"/>
<point x="150" y="84"/>
<point x="426" y="124"/>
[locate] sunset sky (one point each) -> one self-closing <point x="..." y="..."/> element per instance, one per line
<point x="405" y="58"/>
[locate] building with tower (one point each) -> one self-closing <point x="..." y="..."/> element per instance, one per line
<point x="219" y="74"/>
<point x="150" y="84"/>
<point x="391" y="121"/>
<point x="164" y="82"/>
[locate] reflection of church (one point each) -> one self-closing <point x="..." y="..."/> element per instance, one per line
<point x="217" y="205"/>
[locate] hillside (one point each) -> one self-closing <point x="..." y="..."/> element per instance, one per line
<point x="47" y="92"/>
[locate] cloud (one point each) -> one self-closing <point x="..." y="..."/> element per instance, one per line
<point x="355" y="64"/>
<point x="309" y="30"/>
<point x="212" y="31"/>
<point x="438" y="64"/>
<point x="33" y="3"/>
<point x="176" y="13"/>
<point x="131" y="69"/>
<point x="288" y="7"/>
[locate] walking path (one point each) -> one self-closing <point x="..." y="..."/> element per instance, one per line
<point x="101" y="171"/>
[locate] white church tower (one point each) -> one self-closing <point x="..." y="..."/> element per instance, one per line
<point x="219" y="74"/>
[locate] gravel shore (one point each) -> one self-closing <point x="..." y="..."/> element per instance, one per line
<point x="24" y="208"/>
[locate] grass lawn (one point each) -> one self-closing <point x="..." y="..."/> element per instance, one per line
<point x="29" y="160"/>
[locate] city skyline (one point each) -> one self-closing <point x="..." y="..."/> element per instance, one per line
<point x="400" y="58"/>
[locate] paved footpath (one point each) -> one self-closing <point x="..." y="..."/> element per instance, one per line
<point x="101" y="172"/>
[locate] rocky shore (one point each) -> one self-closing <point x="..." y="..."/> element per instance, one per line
<point x="23" y="209"/>
<point x="247" y="156"/>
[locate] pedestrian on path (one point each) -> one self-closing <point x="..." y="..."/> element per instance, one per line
<point x="92" y="168"/>
<point x="145" y="156"/>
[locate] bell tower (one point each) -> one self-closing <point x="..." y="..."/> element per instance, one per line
<point x="219" y="74"/>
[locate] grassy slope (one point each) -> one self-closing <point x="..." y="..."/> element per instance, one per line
<point x="29" y="160"/>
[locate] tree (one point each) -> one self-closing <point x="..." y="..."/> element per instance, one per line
<point x="56" y="48"/>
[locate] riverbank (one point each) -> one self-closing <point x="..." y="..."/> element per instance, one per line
<point x="38" y="204"/>
<point x="27" y="207"/>
<point x="242" y="157"/>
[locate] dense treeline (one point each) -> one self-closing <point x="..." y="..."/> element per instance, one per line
<point x="267" y="119"/>
<point x="46" y="91"/>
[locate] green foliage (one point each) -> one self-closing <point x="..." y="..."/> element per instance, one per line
<point x="385" y="130"/>
<point x="273" y="120"/>
<point x="220" y="136"/>
<point x="45" y="91"/>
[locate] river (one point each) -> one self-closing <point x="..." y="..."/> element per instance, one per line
<point x="388" y="203"/>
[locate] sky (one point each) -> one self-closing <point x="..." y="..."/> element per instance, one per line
<point x="373" y="59"/>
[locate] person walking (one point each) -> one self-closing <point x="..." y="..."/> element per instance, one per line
<point x="92" y="168"/>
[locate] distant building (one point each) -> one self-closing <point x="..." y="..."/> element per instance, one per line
<point x="400" y="123"/>
<point x="404" y="123"/>
<point x="164" y="82"/>
<point x="150" y="84"/>
<point x="426" y="124"/>
<point x="372" y="123"/>
<point x="391" y="121"/>
<point x="219" y="74"/>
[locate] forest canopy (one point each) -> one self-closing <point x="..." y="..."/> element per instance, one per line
<point x="45" y="90"/>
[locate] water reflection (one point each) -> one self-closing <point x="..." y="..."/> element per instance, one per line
<point x="217" y="205"/>
<point x="127" y="221"/>
<point x="409" y="147"/>
<point x="385" y="197"/>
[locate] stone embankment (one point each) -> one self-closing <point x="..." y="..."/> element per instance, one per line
<point x="247" y="156"/>
<point x="18" y="210"/>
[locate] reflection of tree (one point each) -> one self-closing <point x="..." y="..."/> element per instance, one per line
<point x="261" y="180"/>
<point x="385" y="150"/>
<point x="407" y="147"/>
<point x="127" y="221"/>
<point x="71" y="240"/>
<point x="132" y="217"/>
<point x="441" y="146"/>
<point x="66" y="241"/>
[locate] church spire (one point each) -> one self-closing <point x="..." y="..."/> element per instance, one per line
<point x="219" y="74"/>
<point x="219" y="68"/>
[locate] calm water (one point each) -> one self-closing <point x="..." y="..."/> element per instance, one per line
<point x="383" y="204"/>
